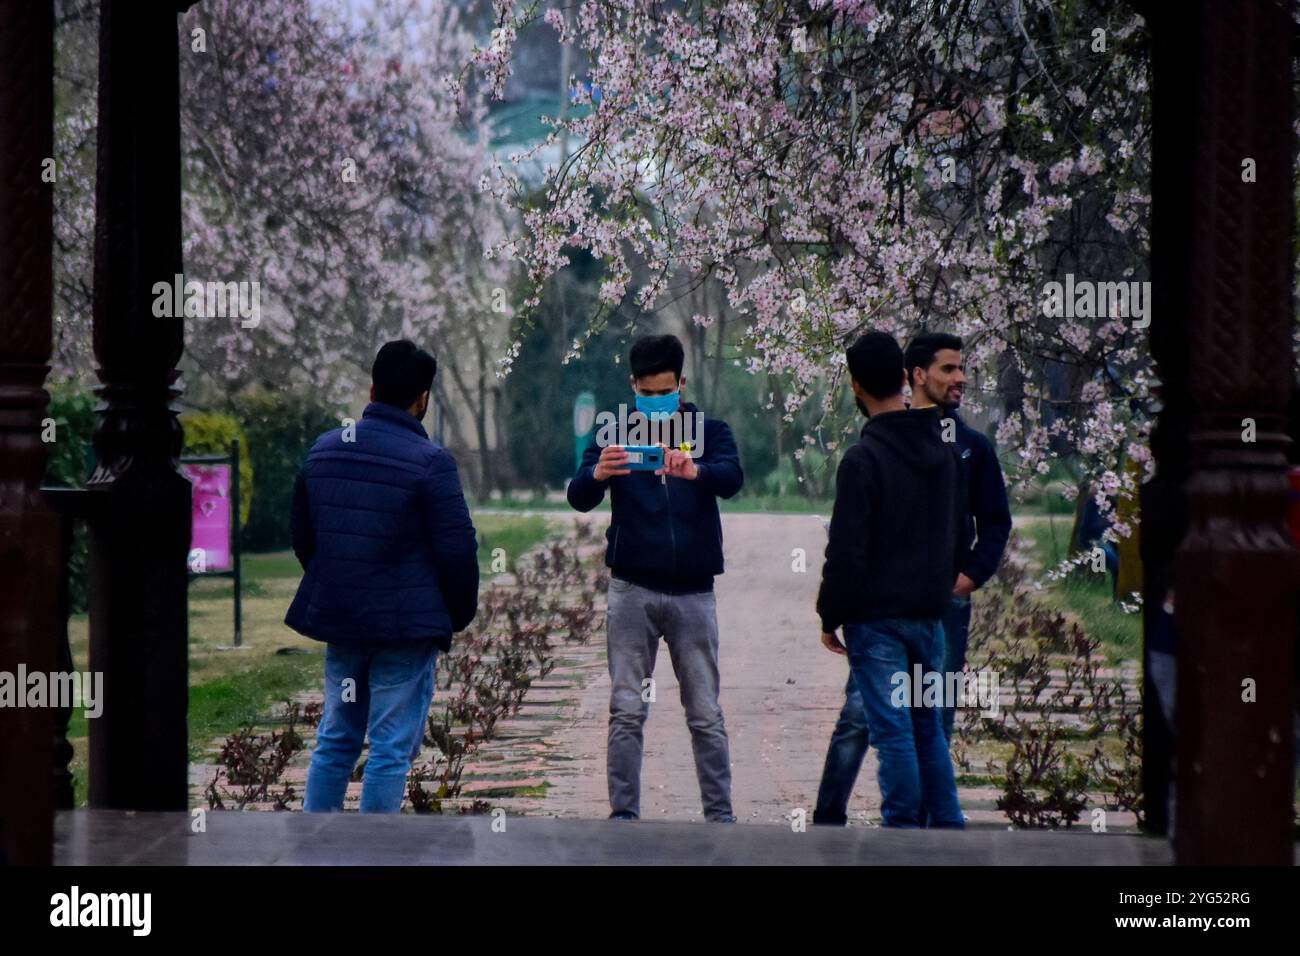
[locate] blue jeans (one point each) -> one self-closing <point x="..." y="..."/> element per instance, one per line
<point x="916" y="776"/>
<point x="851" y="736"/>
<point x="389" y="696"/>
<point x="956" y="634"/>
<point x="843" y="760"/>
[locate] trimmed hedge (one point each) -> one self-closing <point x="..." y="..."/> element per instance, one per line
<point x="281" y="428"/>
<point x="72" y="409"/>
<point x="210" y="433"/>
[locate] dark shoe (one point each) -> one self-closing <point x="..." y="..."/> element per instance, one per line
<point x="825" y="820"/>
<point x="623" y="815"/>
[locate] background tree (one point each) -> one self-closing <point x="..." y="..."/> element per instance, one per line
<point x="327" y="158"/>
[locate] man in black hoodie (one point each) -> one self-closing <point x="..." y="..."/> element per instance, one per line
<point x="895" y="534"/>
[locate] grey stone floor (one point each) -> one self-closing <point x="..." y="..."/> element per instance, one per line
<point x="105" y="837"/>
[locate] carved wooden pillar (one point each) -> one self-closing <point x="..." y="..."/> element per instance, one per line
<point x="29" y="543"/>
<point x="140" y="531"/>
<point x="1175" y="64"/>
<point x="1236" y="570"/>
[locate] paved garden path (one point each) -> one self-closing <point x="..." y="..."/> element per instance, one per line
<point x="781" y="692"/>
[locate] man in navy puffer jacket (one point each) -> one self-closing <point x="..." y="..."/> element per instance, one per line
<point x="390" y="557"/>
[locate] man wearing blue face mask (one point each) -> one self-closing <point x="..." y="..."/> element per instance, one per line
<point x="664" y="550"/>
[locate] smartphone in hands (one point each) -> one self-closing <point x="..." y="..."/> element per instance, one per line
<point x="644" y="457"/>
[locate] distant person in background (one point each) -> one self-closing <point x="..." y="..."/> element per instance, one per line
<point x="895" y="536"/>
<point x="1092" y="526"/>
<point x="664" y="550"/>
<point x="934" y="366"/>
<point x="390" y="557"/>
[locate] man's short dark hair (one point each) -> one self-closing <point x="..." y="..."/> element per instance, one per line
<point x="652" y="354"/>
<point x="876" y="363"/>
<point x="402" y="373"/>
<point x="921" y="350"/>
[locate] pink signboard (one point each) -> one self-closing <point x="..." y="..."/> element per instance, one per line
<point x="210" y="517"/>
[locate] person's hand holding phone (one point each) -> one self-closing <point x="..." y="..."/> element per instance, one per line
<point x="679" y="464"/>
<point x="612" y="457"/>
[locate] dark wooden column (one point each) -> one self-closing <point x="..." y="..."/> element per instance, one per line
<point x="1236" y="570"/>
<point x="1175" y="64"/>
<point x="140" y="534"/>
<point x="29" y="542"/>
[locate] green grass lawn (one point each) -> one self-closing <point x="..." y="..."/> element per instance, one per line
<point x="220" y="706"/>
<point x="778" y="504"/>
<point x="274" y="564"/>
<point x="1084" y="593"/>
<point x="514" y="503"/>
<point x="742" y="503"/>
<point x="515" y="534"/>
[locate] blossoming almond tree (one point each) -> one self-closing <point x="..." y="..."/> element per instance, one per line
<point x="841" y="165"/>
<point x="329" y="161"/>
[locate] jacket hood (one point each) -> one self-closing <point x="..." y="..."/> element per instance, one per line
<point x="912" y="435"/>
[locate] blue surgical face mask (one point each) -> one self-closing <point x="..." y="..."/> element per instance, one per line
<point x="658" y="406"/>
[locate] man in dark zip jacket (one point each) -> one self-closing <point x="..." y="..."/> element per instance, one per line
<point x="664" y="548"/>
<point x="934" y="369"/>
<point x="896" y="532"/>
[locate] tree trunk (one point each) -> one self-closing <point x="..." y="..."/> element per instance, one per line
<point x="1130" y="547"/>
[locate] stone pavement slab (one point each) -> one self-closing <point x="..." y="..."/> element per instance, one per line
<point x="781" y="693"/>
<point x="111" y="837"/>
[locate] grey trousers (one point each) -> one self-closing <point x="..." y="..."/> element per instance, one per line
<point x="688" y="623"/>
